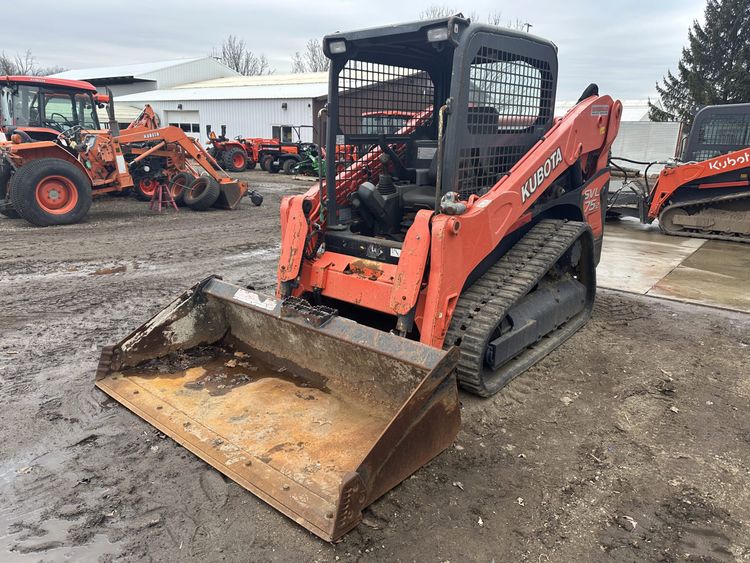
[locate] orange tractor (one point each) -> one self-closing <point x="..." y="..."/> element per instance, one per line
<point x="240" y="153"/>
<point x="56" y="157"/>
<point x="458" y="249"/>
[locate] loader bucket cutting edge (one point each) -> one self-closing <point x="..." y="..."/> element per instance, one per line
<point x="230" y="195"/>
<point x="317" y="422"/>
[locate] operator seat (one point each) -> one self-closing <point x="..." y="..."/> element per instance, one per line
<point x="422" y="197"/>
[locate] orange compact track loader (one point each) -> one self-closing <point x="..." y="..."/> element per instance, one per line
<point x="458" y="249"/>
<point x="56" y="157"/>
<point x="705" y="194"/>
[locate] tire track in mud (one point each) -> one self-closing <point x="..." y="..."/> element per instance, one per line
<point x="69" y="295"/>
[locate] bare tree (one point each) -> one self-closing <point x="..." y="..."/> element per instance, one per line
<point x="312" y="59"/>
<point x="436" y="11"/>
<point x="235" y="54"/>
<point x="25" y="64"/>
<point x="496" y="18"/>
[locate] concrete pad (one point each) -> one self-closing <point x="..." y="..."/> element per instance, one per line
<point x="635" y="257"/>
<point x="640" y="259"/>
<point x="717" y="274"/>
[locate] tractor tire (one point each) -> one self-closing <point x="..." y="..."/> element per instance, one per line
<point x="202" y="194"/>
<point x="235" y="160"/>
<point x="8" y="212"/>
<point x="263" y="162"/>
<point x="179" y="185"/>
<point x="269" y="164"/>
<point x="144" y="188"/>
<point x="50" y="191"/>
<point x="288" y="166"/>
<point x="251" y="163"/>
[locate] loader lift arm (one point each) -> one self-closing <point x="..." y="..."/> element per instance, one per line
<point x="164" y="140"/>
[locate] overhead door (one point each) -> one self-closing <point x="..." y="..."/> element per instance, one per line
<point x="188" y="121"/>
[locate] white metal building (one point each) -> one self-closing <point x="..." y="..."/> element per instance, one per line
<point x="144" y="77"/>
<point x="278" y="105"/>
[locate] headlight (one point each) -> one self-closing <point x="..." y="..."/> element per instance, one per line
<point x="337" y="47"/>
<point x="437" y="34"/>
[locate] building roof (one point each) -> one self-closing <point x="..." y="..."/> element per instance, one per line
<point x="139" y="71"/>
<point x="266" y="87"/>
<point x="262" y="80"/>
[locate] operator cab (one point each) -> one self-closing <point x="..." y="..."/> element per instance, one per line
<point x="42" y="108"/>
<point x="388" y="85"/>
<point x="718" y="130"/>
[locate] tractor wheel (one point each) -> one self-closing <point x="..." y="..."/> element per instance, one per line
<point x="8" y="212"/>
<point x="269" y="165"/>
<point x="50" y="191"/>
<point x="179" y="185"/>
<point x="202" y="194"/>
<point x="235" y="160"/>
<point x="288" y="166"/>
<point x="144" y="188"/>
<point x="251" y="163"/>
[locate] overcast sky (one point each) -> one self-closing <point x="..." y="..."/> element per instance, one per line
<point x="623" y="46"/>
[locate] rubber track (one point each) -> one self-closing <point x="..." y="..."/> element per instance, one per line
<point x="705" y="234"/>
<point x="481" y="307"/>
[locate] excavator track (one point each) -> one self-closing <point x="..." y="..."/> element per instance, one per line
<point x="483" y="306"/>
<point x="721" y="218"/>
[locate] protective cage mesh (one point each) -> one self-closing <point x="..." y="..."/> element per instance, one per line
<point x="376" y="99"/>
<point x="508" y="96"/>
<point x="723" y="133"/>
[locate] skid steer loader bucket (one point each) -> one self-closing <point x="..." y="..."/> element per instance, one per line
<point x="313" y="413"/>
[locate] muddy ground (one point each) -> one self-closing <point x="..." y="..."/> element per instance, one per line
<point x="629" y="443"/>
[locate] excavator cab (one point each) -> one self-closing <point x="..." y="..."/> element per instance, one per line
<point x="325" y="396"/>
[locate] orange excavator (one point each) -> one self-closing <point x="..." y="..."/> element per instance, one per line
<point x="458" y="249"/>
<point x="57" y="157"/>
<point x="705" y="193"/>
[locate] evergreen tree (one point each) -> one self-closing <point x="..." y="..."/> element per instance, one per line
<point x="715" y="65"/>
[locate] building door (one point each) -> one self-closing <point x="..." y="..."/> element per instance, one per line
<point x="283" y="133"/>
<point x="188" y="121"/>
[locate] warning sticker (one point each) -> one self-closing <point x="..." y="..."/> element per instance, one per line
<point x="121" y="167"/>
<point x="252" y="298"/>
<point x="599" y="110"/>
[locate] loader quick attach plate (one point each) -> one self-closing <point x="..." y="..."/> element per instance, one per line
<point x="317" y="421"/>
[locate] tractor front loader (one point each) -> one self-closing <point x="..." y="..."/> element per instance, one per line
<point x="458" y="249"/>
<point x="59" y="157"/>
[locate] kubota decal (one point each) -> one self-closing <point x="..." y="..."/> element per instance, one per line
<point x="533" y="183"/>
<point x="729" y="162"/>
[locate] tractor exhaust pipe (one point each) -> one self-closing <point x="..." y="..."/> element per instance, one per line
<point x="114" y="127"/>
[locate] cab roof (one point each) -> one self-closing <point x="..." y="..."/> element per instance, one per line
<point x="43" y="80"/>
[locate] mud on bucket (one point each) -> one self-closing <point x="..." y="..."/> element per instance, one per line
<point x="318" y="421"/>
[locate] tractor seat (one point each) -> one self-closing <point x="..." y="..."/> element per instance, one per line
<point x="422" y="196"/>
<point x="418" y="197"/>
